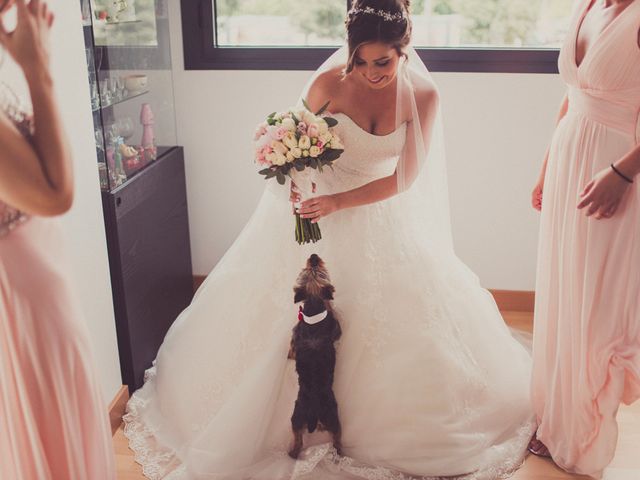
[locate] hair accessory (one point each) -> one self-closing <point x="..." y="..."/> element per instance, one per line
<point x="385" y="15"/>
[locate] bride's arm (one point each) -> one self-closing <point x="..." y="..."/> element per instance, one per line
<point x="386" y="187"/>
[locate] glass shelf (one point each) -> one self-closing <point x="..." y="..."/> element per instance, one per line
<point x="129" y="125"/>
<point x="122" y="100"/>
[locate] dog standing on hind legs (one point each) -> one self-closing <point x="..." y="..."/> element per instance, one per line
<point x="312" y="347"/>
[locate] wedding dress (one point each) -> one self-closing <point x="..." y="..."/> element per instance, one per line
<point x="429" y="380"/>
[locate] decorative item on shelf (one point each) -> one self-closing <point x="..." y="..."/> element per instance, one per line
<point x="86" y="12"/>
<point x="131" y="160"/>
<point x="148" y="141"/>
<point x="119" y="174"/>
<point x="104" y="178"/>
<point x="114" y="9"/>
<point x="136" y="84"/>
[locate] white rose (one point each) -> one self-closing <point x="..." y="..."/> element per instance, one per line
<point x="279" y="147"/>
<point x="336" y="144"/>
<point x="271" y="158"/>
<point x="290" y="140"/>
<point x="325" y="138"/>
<point x="314" y="151"/>
<point x="296" y="152"/>
<point x="280" y="159"/>
<point x="323" y="127"/>
<point x="290" y="157"/>
<point x="305" y="142"/>
<point x="308" y="117"/>
<point x="289" y="124"/>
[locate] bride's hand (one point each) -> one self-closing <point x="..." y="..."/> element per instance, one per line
<point x="318" y="207"/>
<point x="294" y="196"/>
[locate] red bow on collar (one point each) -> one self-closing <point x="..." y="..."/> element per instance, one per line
<point x="300" y="315"/>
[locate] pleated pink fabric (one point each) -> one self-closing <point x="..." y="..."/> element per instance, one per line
<point x="587" y="312"/>
<point x="53" y="422"/>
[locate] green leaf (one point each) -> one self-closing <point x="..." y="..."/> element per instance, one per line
<point x="299" y="165"/>
<point x="264" y="171"/>
<point x="295" y="119"/>
<point x="332" y="122"/>
<point x="306" y="105"/>
<point x="281" y="178"/>
<point x="271" y="115"/>
<point x="323" y="108"/>
<point x="331" y="154"/>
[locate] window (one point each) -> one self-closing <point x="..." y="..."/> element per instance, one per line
<point x="450" y="35"/>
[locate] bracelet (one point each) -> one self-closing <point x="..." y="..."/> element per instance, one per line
<point x="629" y="180"/>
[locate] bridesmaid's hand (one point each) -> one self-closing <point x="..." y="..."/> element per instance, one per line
<point x="603" y="194"/>
<point x="536" y="195"/>
<point x="28" y="44"/>
<point x="318" y="207"/>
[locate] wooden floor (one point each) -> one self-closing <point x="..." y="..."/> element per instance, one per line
<point x="625" y="466"/>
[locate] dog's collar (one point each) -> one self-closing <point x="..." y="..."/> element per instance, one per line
<point x="312" y="320"/>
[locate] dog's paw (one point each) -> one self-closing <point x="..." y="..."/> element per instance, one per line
<point x="294" y="453"/>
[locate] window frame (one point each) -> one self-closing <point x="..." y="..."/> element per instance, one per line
<point x="201" y="53"/>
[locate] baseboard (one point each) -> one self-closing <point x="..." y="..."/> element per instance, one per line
<point x="117" y="408"/>
<point x="507" y="300"/>
<point x="514" y="300"/>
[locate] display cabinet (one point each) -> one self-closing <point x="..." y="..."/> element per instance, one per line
<point x="142" y="174"/>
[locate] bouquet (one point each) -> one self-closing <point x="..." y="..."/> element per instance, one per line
<point x="287" y="144"/>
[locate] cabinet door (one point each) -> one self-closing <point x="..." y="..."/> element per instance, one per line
<point x="155" y="261"/>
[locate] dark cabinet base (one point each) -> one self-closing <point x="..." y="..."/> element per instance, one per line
<point x="147" y="227"/>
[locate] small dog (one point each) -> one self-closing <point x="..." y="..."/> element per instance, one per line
<point x="312" y="347"/>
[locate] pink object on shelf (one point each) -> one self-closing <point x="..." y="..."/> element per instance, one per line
<point x="147" y="121"/>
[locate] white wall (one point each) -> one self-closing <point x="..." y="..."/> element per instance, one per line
<point x="497" y="128"/>
<point x="84" y="223"/>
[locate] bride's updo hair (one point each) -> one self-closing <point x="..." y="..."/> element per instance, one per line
<point x="384" y="21"/>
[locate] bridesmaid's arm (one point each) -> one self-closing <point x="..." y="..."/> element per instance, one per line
<point x="602" y="195"/>
<point x="629" y="165"/>
<point x="536" y="195"/>
<point x="36" y="177"/>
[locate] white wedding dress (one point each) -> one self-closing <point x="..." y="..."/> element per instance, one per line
<point x="429" y="380"/>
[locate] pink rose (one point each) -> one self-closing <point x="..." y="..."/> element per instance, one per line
<point x="313" y="131"/>
<point x="272" y="131"/>
<point x="260" y="131"/>
<point x="320" y="144"/>
<point x="280" y="133"/>
<point x="262" y="160"/>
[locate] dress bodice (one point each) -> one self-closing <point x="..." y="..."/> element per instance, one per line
<point x="366" y="156"/>
<point x="606" y="86"/>
<point x="10" y="106"/>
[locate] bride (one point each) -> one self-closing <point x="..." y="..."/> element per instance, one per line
<point x="429" y="381"/>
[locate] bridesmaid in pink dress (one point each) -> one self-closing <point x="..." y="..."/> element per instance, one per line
<point x="587" y="313"/>
<point x="53" y="423"/>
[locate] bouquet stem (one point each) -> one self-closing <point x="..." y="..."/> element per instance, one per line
<point x="306" y="231"/>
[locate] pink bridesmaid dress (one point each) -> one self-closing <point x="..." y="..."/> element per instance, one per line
<point x="587" y="313"/>
<point x="53" y="422"/>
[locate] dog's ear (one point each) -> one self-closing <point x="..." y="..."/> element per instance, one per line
<point x="300" y="294"/>
<point x="327" y="292"/>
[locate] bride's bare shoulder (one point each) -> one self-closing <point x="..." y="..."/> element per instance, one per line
<point x="327" y="86"/>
